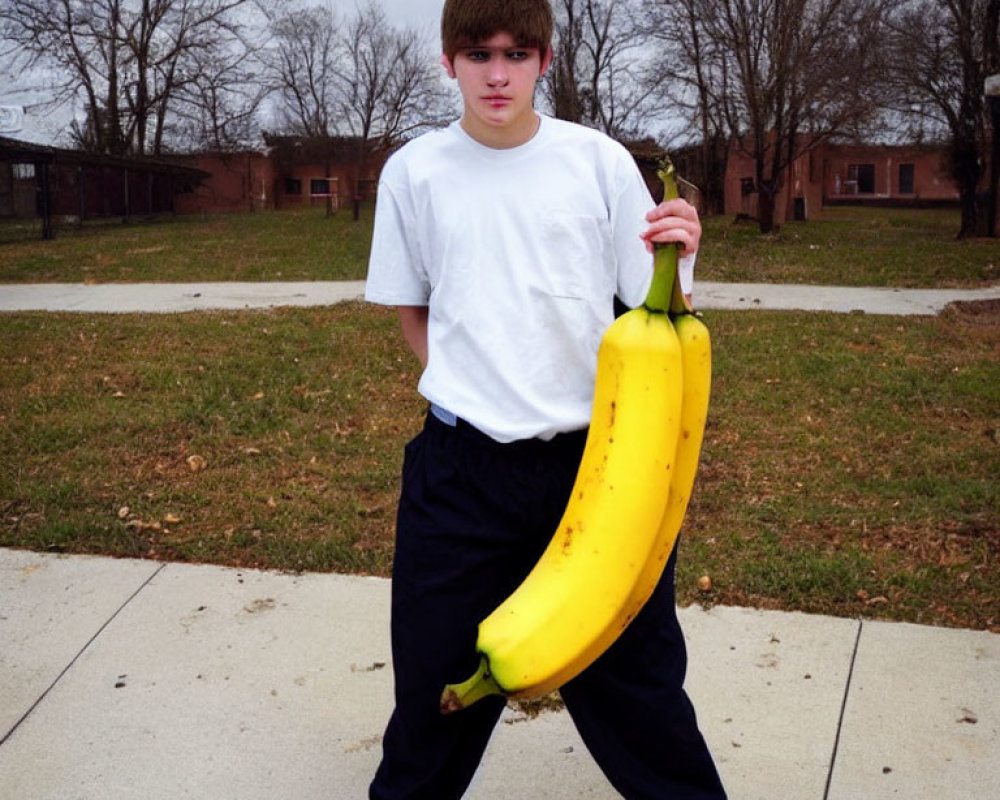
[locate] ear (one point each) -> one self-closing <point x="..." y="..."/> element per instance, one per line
<point x="448" y="66"/>
<point x="546" y="61"/>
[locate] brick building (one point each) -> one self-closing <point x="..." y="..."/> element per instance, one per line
<point x="832" y="174"/>
<point x="51" y="183"/>
<point x="291" y="172"/>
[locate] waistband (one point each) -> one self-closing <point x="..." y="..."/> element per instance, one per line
<point x="443" y="419"/>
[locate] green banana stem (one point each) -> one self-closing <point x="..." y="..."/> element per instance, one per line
<point x="668" y="174"/>
<point x="665" y="291"/>
<point x="457" y="696"/>
<point x="658" y="298"/>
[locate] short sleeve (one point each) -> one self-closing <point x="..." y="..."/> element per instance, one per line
<point x="396" y="275"/>
<point x="685" y="270"/>
<point x="631" y="203"/>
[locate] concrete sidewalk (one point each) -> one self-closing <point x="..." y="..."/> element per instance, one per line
<point x="134" y="679"/>
<point x="175" y="297"/>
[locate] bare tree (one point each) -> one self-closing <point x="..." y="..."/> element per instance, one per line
<point x="942" y="52"/>
<point x="363" y="78"/>
<point x="388" y="85"/>
<point x="170" y="41"/>
<point x="696" y="78"/>
<point x="218" y="105"/>
<point x="563" y="81"/>
<point x="786" y="74"/>
<point x="125" y="59"/>
<point x="991" y="36"/>
<point x="72" y="39"/>
<point x="600" y="75"/>
<point x="303" y="62"/>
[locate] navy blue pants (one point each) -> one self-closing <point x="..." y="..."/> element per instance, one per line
<point x="473" y="518"/>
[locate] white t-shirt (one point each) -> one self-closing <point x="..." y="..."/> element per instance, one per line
<point x="518" y="254"/>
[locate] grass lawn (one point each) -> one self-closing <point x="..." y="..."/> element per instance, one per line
<point x="291" y="245"/>
<point x="850" y="463"/>
<point x="845" y="246"/>
<point x="849" y="466"/>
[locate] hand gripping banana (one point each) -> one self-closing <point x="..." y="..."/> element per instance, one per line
<point x="621" y="520"/>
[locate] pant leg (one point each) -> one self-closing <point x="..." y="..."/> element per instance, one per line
<point x="632" y="712"/>
<point x="473" y="519"/>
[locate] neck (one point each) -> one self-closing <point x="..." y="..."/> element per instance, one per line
<point x="517" y="133"/>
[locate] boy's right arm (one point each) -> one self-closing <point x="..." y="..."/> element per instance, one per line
<point x="413" y="321"/>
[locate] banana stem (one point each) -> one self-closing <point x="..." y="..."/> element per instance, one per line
<point x="660" y="296"/>
<point x="664" y="276"/>
<point x="665" y="293"/>
<point x="457" y="696"/>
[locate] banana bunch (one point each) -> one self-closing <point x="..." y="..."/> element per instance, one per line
<point x="628" y="501"/>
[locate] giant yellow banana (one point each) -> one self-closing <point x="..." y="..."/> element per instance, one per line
<point x="696" y="359"/>
<point x="615" y="535"/>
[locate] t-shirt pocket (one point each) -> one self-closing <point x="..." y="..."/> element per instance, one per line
<point x="582" y="247"/>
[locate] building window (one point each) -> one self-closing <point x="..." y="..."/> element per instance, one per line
<point x="23" y="172"/>
<point x="319" y="187"/>
<point x="906" y="178"/>
<point x="293" y="186"/>
<point x="861" y="178"/>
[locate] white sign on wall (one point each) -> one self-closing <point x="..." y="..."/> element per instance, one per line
<point x="11" y="119"/>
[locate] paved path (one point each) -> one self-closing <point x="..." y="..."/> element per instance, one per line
<point x="127" y="680"/>
<point x="136" y="680"/>
<point x="174" y="297"/>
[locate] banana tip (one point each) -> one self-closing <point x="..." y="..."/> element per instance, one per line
<point x="457" y="696"/>
<point x="450" y="701"/>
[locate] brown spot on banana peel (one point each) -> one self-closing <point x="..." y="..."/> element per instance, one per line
<point x="457" y="696"/>
<point x="450" y="702"/>
<point x="626" y="620"/>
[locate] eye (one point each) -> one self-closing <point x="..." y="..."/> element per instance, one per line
<point x="477" y="55"/>
<point x="517" y="55"/>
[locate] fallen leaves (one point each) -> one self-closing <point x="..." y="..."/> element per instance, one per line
<point x="137" y="524"/>
<point x="878" y="600"/>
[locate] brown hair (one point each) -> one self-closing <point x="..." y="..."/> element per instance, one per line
<point x="468" y="22"/>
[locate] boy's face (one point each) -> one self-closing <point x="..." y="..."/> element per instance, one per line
<point x="497" y="80"/>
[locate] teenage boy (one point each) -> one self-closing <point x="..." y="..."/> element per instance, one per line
<point x="503" y="240"/>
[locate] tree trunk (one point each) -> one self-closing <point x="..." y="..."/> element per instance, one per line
<point x="765" y="207"/>
<point x="967" y="171"/>
<point x="994" y="187"/>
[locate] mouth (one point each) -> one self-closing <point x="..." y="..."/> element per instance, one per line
<point x="497" y="99"/>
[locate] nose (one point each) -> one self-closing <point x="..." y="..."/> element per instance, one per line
<point x="498" y="72"/>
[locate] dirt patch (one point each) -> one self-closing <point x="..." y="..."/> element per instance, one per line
<point x="980" y="313"/>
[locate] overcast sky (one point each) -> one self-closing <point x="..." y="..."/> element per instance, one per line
<point x="416" y="13"/>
